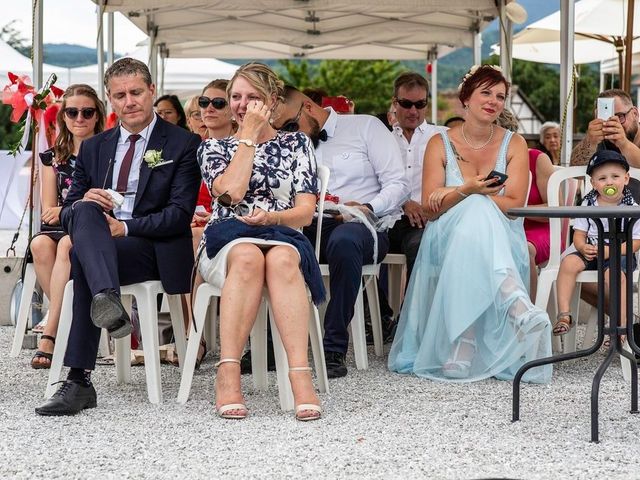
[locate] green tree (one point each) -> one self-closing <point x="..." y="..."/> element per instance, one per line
<point x="541" y="83"/>
<point x="9" y="132"/>
<point x="369" y="83"/>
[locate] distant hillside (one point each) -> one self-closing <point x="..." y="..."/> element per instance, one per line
<point x="65" y="55"/>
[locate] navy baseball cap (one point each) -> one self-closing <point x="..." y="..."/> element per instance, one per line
<point x="606" y="156"/>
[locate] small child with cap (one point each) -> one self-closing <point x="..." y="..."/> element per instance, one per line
<point x="609" y="172"/>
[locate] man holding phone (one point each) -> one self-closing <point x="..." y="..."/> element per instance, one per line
<point x="620" y="131"/>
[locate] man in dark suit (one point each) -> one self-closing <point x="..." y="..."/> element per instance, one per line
<point x="141" y="234"/>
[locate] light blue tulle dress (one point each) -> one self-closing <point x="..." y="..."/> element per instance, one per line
<point x="469" y="283"/>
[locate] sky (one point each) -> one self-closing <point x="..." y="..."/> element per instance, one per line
<point x="71" y="21"/>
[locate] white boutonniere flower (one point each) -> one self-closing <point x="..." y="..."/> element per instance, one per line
<point x="153" y="158"/>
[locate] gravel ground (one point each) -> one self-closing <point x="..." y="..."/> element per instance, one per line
<point x="376" y="424"/>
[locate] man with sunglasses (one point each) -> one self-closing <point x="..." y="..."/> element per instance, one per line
<point x="366" y="172"/>
<point x="620" y="132"/>
<point x="141" y="233"/>
<point x="412" y="132"/>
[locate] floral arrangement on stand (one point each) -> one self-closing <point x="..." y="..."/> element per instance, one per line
<point x="23" y="98"/>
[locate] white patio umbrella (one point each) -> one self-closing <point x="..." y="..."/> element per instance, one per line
<point x="600" y="30"/>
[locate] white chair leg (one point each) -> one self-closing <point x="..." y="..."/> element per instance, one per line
<point x="62" y="339"/>
<point x="569" y="339"/>
<point x="358" y="334"/>
<point x="592" y="326"/>
<point x="282" y="367"/>
<point x="28" y="286"/>
<point x="371" y="286"/>
<point x="177" y="322"/>
<point x="122" y="358"/>
<point x="148" y="315"/>
<point x="211" y="327"/>
<point x="104" y="349"/>
<point x="315" y="336"/>
<point x="189" y="364"/>
<point x="259" y="347"/>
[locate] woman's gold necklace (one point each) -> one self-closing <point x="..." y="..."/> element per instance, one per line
<point x="464" y="137"/>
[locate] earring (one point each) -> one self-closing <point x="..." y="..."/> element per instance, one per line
<point x="466" y="107"/>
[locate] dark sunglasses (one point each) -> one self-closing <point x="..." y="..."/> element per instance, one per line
<point x="87" y="113"/>
<point x="218" y="102"/>
<point x="404" y="103"/>
<point x="239" y="209"/>
<point x="292" y="125"/>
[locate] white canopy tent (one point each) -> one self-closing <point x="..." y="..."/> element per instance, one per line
<point x="600" y="31"/>
<point x="317" y="29"/>
<point x="182" y="76"/>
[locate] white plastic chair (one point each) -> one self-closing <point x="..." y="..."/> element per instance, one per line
<point x="207" y="298"/>
<point x="28" y="286"/>
<point x="370" y="274"/>
<point x="558" y="228"/>
<point x="146" y="294"/>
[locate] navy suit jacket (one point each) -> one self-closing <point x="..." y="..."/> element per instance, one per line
<point x="165" y="199"/>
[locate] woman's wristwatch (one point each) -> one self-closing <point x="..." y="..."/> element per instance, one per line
<point x="248" y="142"/>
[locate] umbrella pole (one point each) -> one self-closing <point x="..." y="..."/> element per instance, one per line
<point x="628" y="44"/>
<point x="33" y="177"/>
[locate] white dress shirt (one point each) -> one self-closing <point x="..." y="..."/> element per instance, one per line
<point x="413" y="154"/>
<point x="365" y="162"/>
<point x="125" y="212"/>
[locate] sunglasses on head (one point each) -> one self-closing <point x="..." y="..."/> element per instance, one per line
<point x="87" y="113"/>
<point x="218" y="102"/>
<point x="404" y="103"/>
<point x="239" y="209"/>
<point x="292" y="125"/>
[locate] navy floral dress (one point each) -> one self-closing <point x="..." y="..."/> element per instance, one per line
<point x="64" y="178"/>
<point x="282" y="167"/>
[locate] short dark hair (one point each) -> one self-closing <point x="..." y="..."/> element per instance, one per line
<point x="616" y="92"/>
<point x="175" y="102"/>
<point x="127" y="66"/>
<point x="315" y="94"/>
<point x="410" y="80"/>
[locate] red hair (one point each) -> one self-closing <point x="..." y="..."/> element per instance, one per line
<point x="483" y="76"/>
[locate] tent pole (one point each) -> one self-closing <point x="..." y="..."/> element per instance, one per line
<point x="433" y="58"/>
<point x="506" y="36"/>
<point x="110" y="38"/>
<point x="153" y="52"/>
<point x="628" y="47"/>
<point x="100" y="49"/>
<point x="477" y="47"/>
<point x="567" y="30"/>
<point x="37" y="51"/>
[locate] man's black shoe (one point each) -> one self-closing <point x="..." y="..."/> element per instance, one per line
<point x="71" y="398"/>
<point x="107" y="312"/>
<point x="245" y="361"/>
<point x="336" y="365"/>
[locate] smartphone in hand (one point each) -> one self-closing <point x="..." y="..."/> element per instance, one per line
<point x="605" y="108"/>
<point x="499" y="177"/>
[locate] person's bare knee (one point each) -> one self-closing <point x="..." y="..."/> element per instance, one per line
<point x="247" y="261"/>
<point x="42" y="248"/>
<point x="284" y="262"/>
<point x="63" y="249"/>
<point x="532" y="252"/>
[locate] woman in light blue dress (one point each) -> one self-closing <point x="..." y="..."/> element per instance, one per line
<point x="467" y="313"/>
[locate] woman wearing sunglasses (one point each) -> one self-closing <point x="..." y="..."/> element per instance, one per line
<point x="81" y="116"/>
<point x="264" y="184"/>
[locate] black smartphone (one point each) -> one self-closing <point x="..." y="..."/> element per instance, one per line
<point x="499" y="177"/>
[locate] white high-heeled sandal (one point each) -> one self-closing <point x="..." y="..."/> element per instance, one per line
<point x="306" y="407"/>
<point x="456" y="367"/>
<point x="224" y="411"/>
